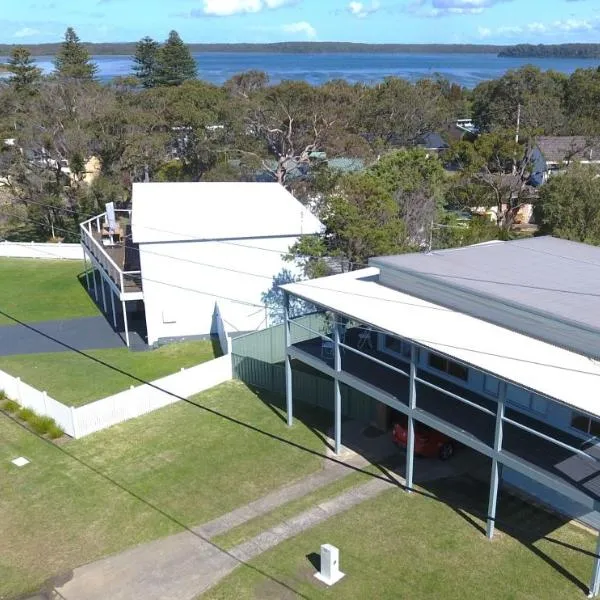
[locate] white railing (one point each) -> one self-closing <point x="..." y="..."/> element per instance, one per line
<point x="132" y="403"/>
<point x="49" y="251"/>
<point x="114" y="271"/>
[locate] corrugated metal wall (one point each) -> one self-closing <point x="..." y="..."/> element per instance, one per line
<point x="258" y="361"/>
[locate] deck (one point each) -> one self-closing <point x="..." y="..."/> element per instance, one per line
<point x="578" y="471"/>
<point x="120" y="260"/>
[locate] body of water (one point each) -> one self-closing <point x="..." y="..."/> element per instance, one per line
<point x="465" y="69"/>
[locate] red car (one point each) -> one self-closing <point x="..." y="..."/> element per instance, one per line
<point x="428" y="441"/>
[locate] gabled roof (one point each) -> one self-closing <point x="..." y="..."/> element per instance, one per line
<point x="169" y="212"/>
<point x="559" y="149"/>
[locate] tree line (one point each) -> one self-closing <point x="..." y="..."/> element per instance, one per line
<point x="552" y="51"/>
<point x="72" y="144"/>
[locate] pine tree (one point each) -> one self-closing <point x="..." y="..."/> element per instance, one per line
<point x="24" y="72"/>
<point x="145" y="61"/>
<point x="73" y="60"/>
<point x="175" y="63"/>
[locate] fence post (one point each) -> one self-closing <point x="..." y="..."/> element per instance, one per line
<point x="74" y="423"/>
<point x="19" y="395"/>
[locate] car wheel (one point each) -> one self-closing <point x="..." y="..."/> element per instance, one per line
<point x="446" y="451"/>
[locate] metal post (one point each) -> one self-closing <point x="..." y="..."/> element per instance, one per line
<point x="412" y="403"/>
<point x="85" y="269"/>
<point x="114" y="313"/>
<point x="288" y="361"/>
<point x="125" y="321"/>
<point x="595" y="583"/>
<point x="337" y="392"/>
<point x="102" y="282"/>
<point x="495" y="475"/>
<point x="95" y="283"/>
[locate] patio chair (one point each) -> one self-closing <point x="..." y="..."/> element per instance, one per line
<point x="365" y="338"/>
<point x="327" y="345"/>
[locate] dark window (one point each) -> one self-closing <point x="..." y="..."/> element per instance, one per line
<point x="585" y="424"/>
<point x="393" y="344"/>
<point x="448" y="366"/>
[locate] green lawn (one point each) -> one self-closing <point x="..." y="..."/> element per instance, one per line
<point x="40" y="290"/>
<point x="73" y="379"/>
<point x="137" y="481"/>
<point x="420" y="548"/>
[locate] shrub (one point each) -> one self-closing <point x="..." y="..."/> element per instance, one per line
<point x="55" y="432"/>
<point x="26" y="414"/>
<point x="40" y="424"/>
<point x="10" y="406"/>
<point x="3" y="395"/>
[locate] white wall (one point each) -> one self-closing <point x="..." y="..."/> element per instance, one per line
<point x="35" y="250"/>
<point x="180" y="295"/>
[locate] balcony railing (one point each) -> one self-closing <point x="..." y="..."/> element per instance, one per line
<point x="111" y="259"/>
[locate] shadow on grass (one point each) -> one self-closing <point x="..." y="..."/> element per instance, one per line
<point x="315" y="560"/>
<point x="464" y="494"/>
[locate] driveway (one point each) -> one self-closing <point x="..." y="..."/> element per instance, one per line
<point x="89" y="333"/>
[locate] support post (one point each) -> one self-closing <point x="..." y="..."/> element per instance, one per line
<point x="85" y="269"/>
<point x="102" y="283"/>
<point x="337" y="392"/>
<point x="595" y="583"/>
<point x="288" y="362"/>
<point x="495" y="475"/>
<point x="412" y="403"/>
<point x="114" y="312"/>
<point x="95" y="282"/>
<point x="125" y="321"/>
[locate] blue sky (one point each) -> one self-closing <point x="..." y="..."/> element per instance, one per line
<point x="401" y="21"/>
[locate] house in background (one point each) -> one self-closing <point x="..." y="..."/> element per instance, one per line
<point x="501" y="359"/>
<point x="187" y="246"/>
<point x="553" y="153"/>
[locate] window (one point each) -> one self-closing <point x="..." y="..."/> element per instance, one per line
<point x="396" y="346"/>
<point x="491" y="385"/>
<point x="520" y="397"/>
<point x="585" y="424"/>
<point x="448" y="366"/>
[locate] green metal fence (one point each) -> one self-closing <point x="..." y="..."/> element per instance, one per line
<point x="258" y="360"/>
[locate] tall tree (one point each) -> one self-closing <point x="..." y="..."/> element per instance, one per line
<point x="145" y="61"/>
<point x="24" y="73"/>
<point x="73" y="60"/>
<point x="175" y="63"/>
<point x="569" y="205"/>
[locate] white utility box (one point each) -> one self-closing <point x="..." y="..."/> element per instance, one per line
<point x="330" y="565"/>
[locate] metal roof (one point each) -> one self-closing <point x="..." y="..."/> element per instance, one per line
<point x="565" y="376"/>
<point x="543" y="287"/>
<point x="173" y="212"/>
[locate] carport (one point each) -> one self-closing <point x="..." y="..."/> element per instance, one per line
<point x="510" y="439"/>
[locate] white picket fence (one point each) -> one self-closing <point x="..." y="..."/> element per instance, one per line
<point x="39" y="250"/>
<point x="132" y="403"/>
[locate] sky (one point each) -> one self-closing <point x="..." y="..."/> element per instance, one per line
<point x="374" y="21"/>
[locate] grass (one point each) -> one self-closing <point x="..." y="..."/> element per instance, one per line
<point x="251" y="528"/>
<point x="418" y="547"/>
<point x="73" y="379"/>
<point x="40" y="290"/>
<point x="180" y="466"/>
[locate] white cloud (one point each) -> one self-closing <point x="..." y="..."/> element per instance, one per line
<point x="440" y="8"/>
<point x="361" y="10"/>
<point x="26" y="32"/>
<point x="540" y="28"/>
<point x="301" y="27"/>
<point x="225" y="8"/>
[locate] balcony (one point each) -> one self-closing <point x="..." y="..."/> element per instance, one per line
<point x="116" y="256"/>
<point x="549" y="451"/>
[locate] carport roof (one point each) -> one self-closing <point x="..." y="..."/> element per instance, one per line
<point x="560" y="374"/>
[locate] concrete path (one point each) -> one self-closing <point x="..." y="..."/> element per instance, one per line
<point x="184" y="565"/>
<point x="88" y="333"/>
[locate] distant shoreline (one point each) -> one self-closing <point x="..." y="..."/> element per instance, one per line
<point x="128" y="48"/>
